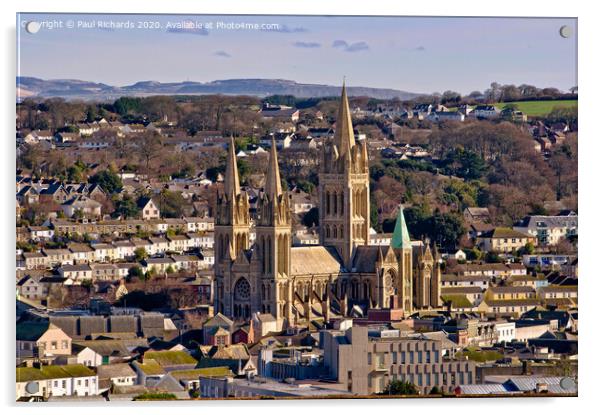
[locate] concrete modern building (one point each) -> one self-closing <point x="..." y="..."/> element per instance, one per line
<point x="367" y="361"/>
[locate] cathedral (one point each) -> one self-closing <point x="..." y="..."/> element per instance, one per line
<point x="343" y="275"/>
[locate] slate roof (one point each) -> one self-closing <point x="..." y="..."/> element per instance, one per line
<point x="549" y="221"/>
<point x="218" y="320"/>
<point x="170" y="358"/>
<point x="31" y="330"/>
<point x="307" y="260"/>
<point x="115" y="348"/>
<point x="115" y="370"/>
<point x="366" y="256"/>
<point x="26" y="374"/>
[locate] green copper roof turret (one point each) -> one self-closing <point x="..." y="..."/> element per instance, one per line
<point x="401" y="236"/>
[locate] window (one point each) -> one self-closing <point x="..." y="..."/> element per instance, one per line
<point x="411" y="358"/>
<point x="53" y="345"/>
<point x="369" y="358"/>
<point x="394" y="358"/>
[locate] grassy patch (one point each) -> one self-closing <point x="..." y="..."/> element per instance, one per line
<point x="218" y="371"/>
<point x="539" y="108"/>
<point x="479" y="355"/>
<point x="170" y="357"/>
<point x="155" y="396"/>
<point x="457" y="300"/>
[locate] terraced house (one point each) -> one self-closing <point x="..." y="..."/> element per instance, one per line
<point x="48" y="381"/>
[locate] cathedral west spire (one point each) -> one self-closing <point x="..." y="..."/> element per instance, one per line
<point x="273" y="242"/>
<point x="232" y="226"/>
<point x="231" y="180"/>
<point x="273" y="185"/>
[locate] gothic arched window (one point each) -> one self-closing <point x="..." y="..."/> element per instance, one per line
<point x="242" y="290"/>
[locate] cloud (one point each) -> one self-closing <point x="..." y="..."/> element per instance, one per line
<point x="286" y="29"/>
<point x="308" y="45"/>
<point x="339" y="44"/>
<point x="356" y="47"/>
<point x="350" y="47"/>
<point x="420" y="49"/>
<point x="222" y="54"/>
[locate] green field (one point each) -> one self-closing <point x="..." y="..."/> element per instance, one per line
<point x="540" y="108"/>
<point x="535" y="108"/>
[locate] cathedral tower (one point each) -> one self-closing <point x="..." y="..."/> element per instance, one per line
<point x="344" y="189"/>
<point x="232" y="225"/>
<point x="274" y="242"/>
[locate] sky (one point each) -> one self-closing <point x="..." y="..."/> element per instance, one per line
<point x="416" y="54"/>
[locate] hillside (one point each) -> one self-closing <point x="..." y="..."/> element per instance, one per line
<point x="77" y="89"/>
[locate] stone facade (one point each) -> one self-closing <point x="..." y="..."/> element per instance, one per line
<point x="342" y="275"/>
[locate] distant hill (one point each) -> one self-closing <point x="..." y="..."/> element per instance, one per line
<point x="77" y="89"/>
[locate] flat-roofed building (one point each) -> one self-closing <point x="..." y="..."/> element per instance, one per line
<point x="365" y="362"/>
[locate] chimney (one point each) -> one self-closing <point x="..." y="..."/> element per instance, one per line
<point x="526" y="367"/>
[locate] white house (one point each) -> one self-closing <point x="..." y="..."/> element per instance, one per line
<point x="148" y="209"/>
<point x="66" y="380"/>
<point x="549" y="230"/>
<point x="506" y="331"/>
<point x="119" y="374"/>
<point x="485" y="111"/>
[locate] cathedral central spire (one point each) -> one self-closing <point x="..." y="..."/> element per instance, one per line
<point x="273" y="185"/>
<point x="343" y="136"/>
<point x="231" y="181"/>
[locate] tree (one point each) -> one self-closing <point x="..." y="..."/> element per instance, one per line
<point x="492" y="258"/>
<point x="140" y="254"/>
<point x="464" y="163"/>
<point x="136" y="272"/>
<point x="474" y="254"/>
<point x="529" y="248"/>
<point x="127" y="105"/>
<point x="445" y="229"/>
<point x="212" y="173"/>
<point x="450" y="97"/>
<point x="149" y="147"/>
<point x="108" y="180"/>
<point x="75" y="174"/>
<point x="171" y="204"/>
<point x="435" y="391"/>
<point x="399" y="387"/>
<point x="126" y="207"/>
<point x="311" y="217"/>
